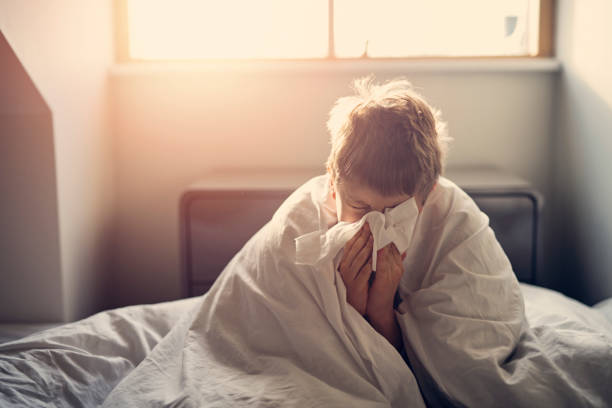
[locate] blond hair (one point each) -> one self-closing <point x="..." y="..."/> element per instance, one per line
<point x="387" y="137"/>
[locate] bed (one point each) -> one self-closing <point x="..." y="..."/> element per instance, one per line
<point x="80" y="363"/>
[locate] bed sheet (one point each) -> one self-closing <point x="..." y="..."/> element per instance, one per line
<point x="16" y="331"/>
<point x="78" y="364"/>
<point x="545" y="306"/>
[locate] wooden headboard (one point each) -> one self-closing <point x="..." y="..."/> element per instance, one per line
<point x="222" y="211"/>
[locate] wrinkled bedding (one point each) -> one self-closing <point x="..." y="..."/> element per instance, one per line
<point x="90" y="384"/>
<point x="271" y="332"/>
<point x="78" y="364"/>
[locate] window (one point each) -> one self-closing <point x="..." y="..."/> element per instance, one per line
<point x="307" y="29"/>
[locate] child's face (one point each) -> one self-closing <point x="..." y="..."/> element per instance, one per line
<point x="354" y="200"/>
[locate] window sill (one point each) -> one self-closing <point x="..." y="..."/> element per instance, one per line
<point x="450" y="65"/>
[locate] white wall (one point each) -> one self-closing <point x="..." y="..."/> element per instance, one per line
<point x="29" y="230"/>
<point x="67" y="47"/>
<point x="583" y="144"/>
<point x="173" y="124"/>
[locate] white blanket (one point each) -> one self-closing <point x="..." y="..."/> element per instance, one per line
<point x="273" y="333"/>
<point x="464" y="325"/>
<point x="78" y="364"/>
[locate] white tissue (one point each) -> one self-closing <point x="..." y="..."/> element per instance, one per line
<point x="395" y="225"/>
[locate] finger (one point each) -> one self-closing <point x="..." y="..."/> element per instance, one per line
<point x="396" y="259"/>
<point x="389" y="260"/>
<point x="395" y="255"/>
<point x="346" y="256"/>
<point x="351" y="241"/>
<point x="393" y="249"/>
<point x="380" y="252"/>
<point x="403" y="256"/>
<point x="360" y="242"/>
<point x="363" y="255"/>
<point x="392" y="254"/>
<point x="349" y="244"/>
<point x="364" y="274"/>
<point x="385" y="256"/>
<point x="381" y="258"/>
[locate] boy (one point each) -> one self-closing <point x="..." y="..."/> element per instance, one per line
<point x="462" y="308"/>
<point x="387" y="146"/>
<point x="284" y="323"/>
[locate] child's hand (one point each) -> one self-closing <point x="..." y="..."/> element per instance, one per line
<point x="387" y="278"/>
<point x="356" y="267"/>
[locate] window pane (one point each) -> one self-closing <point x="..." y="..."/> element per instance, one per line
<point x="401" y="28"/>
<point x="190" y="29"/>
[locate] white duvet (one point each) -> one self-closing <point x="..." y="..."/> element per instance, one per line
<point x="275" y="333"/>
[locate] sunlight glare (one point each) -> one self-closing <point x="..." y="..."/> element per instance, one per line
<point x="398" y="28"/>
<point x="193" y="29"/>
<point x="277" y="29"/>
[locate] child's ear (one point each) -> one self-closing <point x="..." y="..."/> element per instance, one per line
<point x="332" y="183"/>
<point x="331" y="178"/>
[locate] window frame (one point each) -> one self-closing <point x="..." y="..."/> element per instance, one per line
<point x="545" y="41"/>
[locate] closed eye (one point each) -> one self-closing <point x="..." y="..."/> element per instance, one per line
<point x="364" y="209"/>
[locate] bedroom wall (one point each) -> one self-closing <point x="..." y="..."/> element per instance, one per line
<point x="66" y="46"/>
<point x="583" y="147"/>
<point x="118" y="196"/>
<point x="28" y="207"/>
<point x="175" y="122"/>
